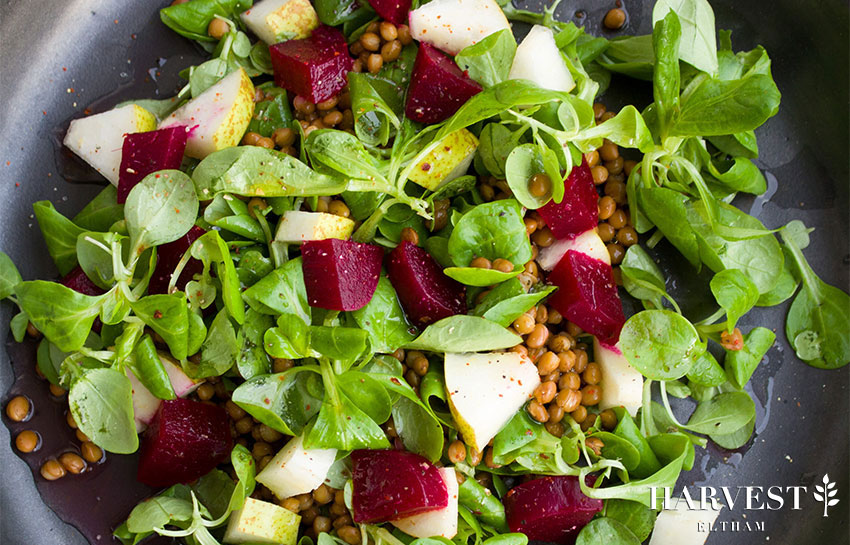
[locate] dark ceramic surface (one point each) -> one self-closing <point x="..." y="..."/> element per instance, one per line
<point x="59" y="57"/>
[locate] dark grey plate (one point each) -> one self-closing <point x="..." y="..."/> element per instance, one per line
<point x="60" y="57"/>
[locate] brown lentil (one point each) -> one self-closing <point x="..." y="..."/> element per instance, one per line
<point x="91" y="452"/>
<point x="618" y="219"/>
<point x="609" y="419"/>
<point x="473" y="456"/>
<point x="538" y="336"/>
<point x="607" y="207"/>
<point x="205" y="391"/>
<point x="344" y="520"/>
<point x="503" y="265"/>
<point x="72" y="463"/>
<point x="251" y="138"/>
<point x="554" y="318"/>
<point x="339" y="208"/>
<point x="537" y="411"/>
<point x="615" y="166"/>
<point x="391" y="51"/>
<point x="321" y="524"/>
<point x="545" y="392"/>
<point x="592" y="158"/>
<point x="18" y="409"/>
<point x="539" y="185"/>
<point x="579" y="414"/>
<point x="27" y="441"/>
<point x="548" y="363"/>
<point x="595" y="444"/>
<point x="543" y="238"/>
<point x="566" y="361"/>
<point x="488" y="460"/>
<point x="456" y="452"/>
<point x="616" y="190"/>
<point x="592" y="373"/>
<point x="292" y="504"/>
<point x="614" y="19"/>
<point x="590" y="395"/>
<point x="524" y="324"/>
<point x="570" y="381"/>
<point x="81" y="437"/>
<point x="598" y="110"/>
<point x="627" y="236"/>
<point x="349" y="534"/>
<point x="404" y="35"/>
<point x="218" y="28"/>
<point x="617" y="253"/>
<point x="52" y="470"/>
<point x="481" y="263"/>
<point x="410" y="235"/>
<point x="600" y="174"/>
<point x="33" y="331"/>
<point x="606" y="232"/>
<point x="609" y="150"/>
<point x="555" y="428"/>
<point x="374" y="63"/>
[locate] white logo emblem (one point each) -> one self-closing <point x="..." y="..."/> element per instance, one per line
<point x="825" y="494"/>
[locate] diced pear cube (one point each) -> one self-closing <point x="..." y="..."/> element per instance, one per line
<point x="297" y="226"/>
<point x="539" y="60"/>
<point x="98" y="139"/>
<point x="622" y="384"/>
<point x="276" y="21"/>
<point x="262" y="522"/>
<point x="296" y="470"/>
<point x="449" y="160"/>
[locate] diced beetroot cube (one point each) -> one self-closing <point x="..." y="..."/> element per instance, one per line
<point x="146" y="152"/>
<point x="314" y="68"/>
<point x="167" y="258"/>
<point x="394" y="11"/>
<point x="437" y="87"/>
<point x="587" y="295"/>
<point x="393" y="484"/>
<point x="551" y="509"/>
<point x="578" y="211"/>
<point x="340" y="274"/>
<point x="425" y="292"/>
<point x="79" y="282"/>
<point x="185" y="440"/>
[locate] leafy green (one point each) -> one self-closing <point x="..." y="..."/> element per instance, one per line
<point x="63" y="315"/>
<point x="637" y="517"/>
<point x="281" y="292"/>
<point x="722" y="414"/>
<point x="740" y="364"/>
<point x="606" y="531"/>
<point x="383" y="319"/>
<point x="271" y="113"/>
<point x="191" y="19"/>
<point x="101" y="212"/>
<point x="660" y="344"/>
<point x="252" y="359"/>
<point x="706" y="371"/>
<point x="508" y="301"/>
<point x="161" y="208"/>
<point x="698" y="44"/>
<point x="482" y="503"/>
<point x="210" y="248"/>
<point x="9" y="276"/>
<point x="168" y="316"/>
<point x="219" y="350"/>
<point x="464" y="334"/>
<point x="489" y="60"/>
<point x="641" y="276"/>
<point x="493" y="230"/>
<point x="102" y="405"/>
<point x="817" y="322"/>
<point x="735" y="293"/>
<point x="60" y="234"/>
<point x="285" y="401"/>
<point x="665" y="77"/>
<point x="149" y="369"/>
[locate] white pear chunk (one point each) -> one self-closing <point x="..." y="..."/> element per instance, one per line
<point x="622" y="384"/>
<point x="683" y="526"/>
<point x="538" y="59"/>
<point x="452" y="25"/>
<point x="262" y="522"/>
<point x="218" y="117"/>
<point x="275" y="21"/>
<point x="486" y="390"/>
<point x="98" y="139"/>
<point x="587" y="243"/>
<point x="439" y="523"/>
<point x="450" y="159"/>
<point x="297" y="226"/>
<point x="296" y="470"/>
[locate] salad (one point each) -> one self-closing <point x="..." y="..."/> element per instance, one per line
<point x="359" y="281"/>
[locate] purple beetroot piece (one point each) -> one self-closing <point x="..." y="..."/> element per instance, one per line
<point x="551" y="509"/>
<point x="425" y="292"/>
<point x="394" y="11"/>
<point x="587" y="295"/>
<point x="437" y="87"/>
<point x="340" y="274"/>
<point x="314" y="68"/>
<point x="167" y="258"/>
<point x="79" y="282"/>
<point x="578" y="211"/>
<point x="185" y="440"/>
<point x="146" y="152"/>
<point x="393" y="484"/>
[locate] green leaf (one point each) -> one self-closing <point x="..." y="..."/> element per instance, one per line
<point x="252" y="359"/>
<point x="473" y="276"/>
<point x="63" y="315"/>
<point x="285" y="401"/>
<point x="231" y="214"/>
<point x="505" y="309"/>
<point x="637" y="517"/>
<point x="641" y="276"/>
<point x="489" y="60"/>
<point x="9" y="276"/>
<point x="698" y="46"/>
<point x="252" y="171"/>
<point x="737" y="438"/>
<point x="219" y="350"/>
<point x="149" y="369"/>
<point x="660" y="344"/>
<point x="740" y="364"/>
<point x="191" y="19"/>
<point x="522" y="163"/>
<point x="606" y="531"/>
<point x="339" y="343"/>
<point x="618" y="448"/>
<point x="101" y="402"/>
<point x="817" y="322"/>
<point x="60" y="234"/>
<point x="626" y="129"/>
<point x="96" y="262"/>
<point x="493" y="230"/>
<point x="211" y="248"/>
<point x="665" y="78"/>
<point x="374" y="104"/>
<point x="344" y="426"/>
<point x="281" y="292"/>
<point x="160" y="209"/>
<point x="706" y="371"/>
<point x="666" y="209"/>
<point x="628" y="430"/>
<point x="272" y="113"/>
<point x="18" y="325"/>
<point x="722" y="414"/>
<point x="383" y="320"/>
<point x="101" y="212"/>
<point x="740" y="174"/>
<point x="158" y="511"/>
<point x="483" y="503"/>
<point x="420" y="432"/>
<point x="735" y="293"/>
<point x="168" y="316"/>
<point x="464" y="334"/>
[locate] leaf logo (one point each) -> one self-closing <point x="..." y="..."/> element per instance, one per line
<point x="826" y="494"/>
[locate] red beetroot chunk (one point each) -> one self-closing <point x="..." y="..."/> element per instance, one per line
<point x="79" y="282"/>
<point x="340" y="274"/>
<point x="185" y="440"/>
<point x="167" y="258"/>
<point x="587" y="295"/>
<point x="147" y="152"/>
<point x="551" y="509"/>
<point x="425" y="292"/>
<point x="578" y="211"/>
<point x="314" y="68"/>
<point x="394" y="11"/>
<point x="438" y="88"/>
<point x="393" y="484"/>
